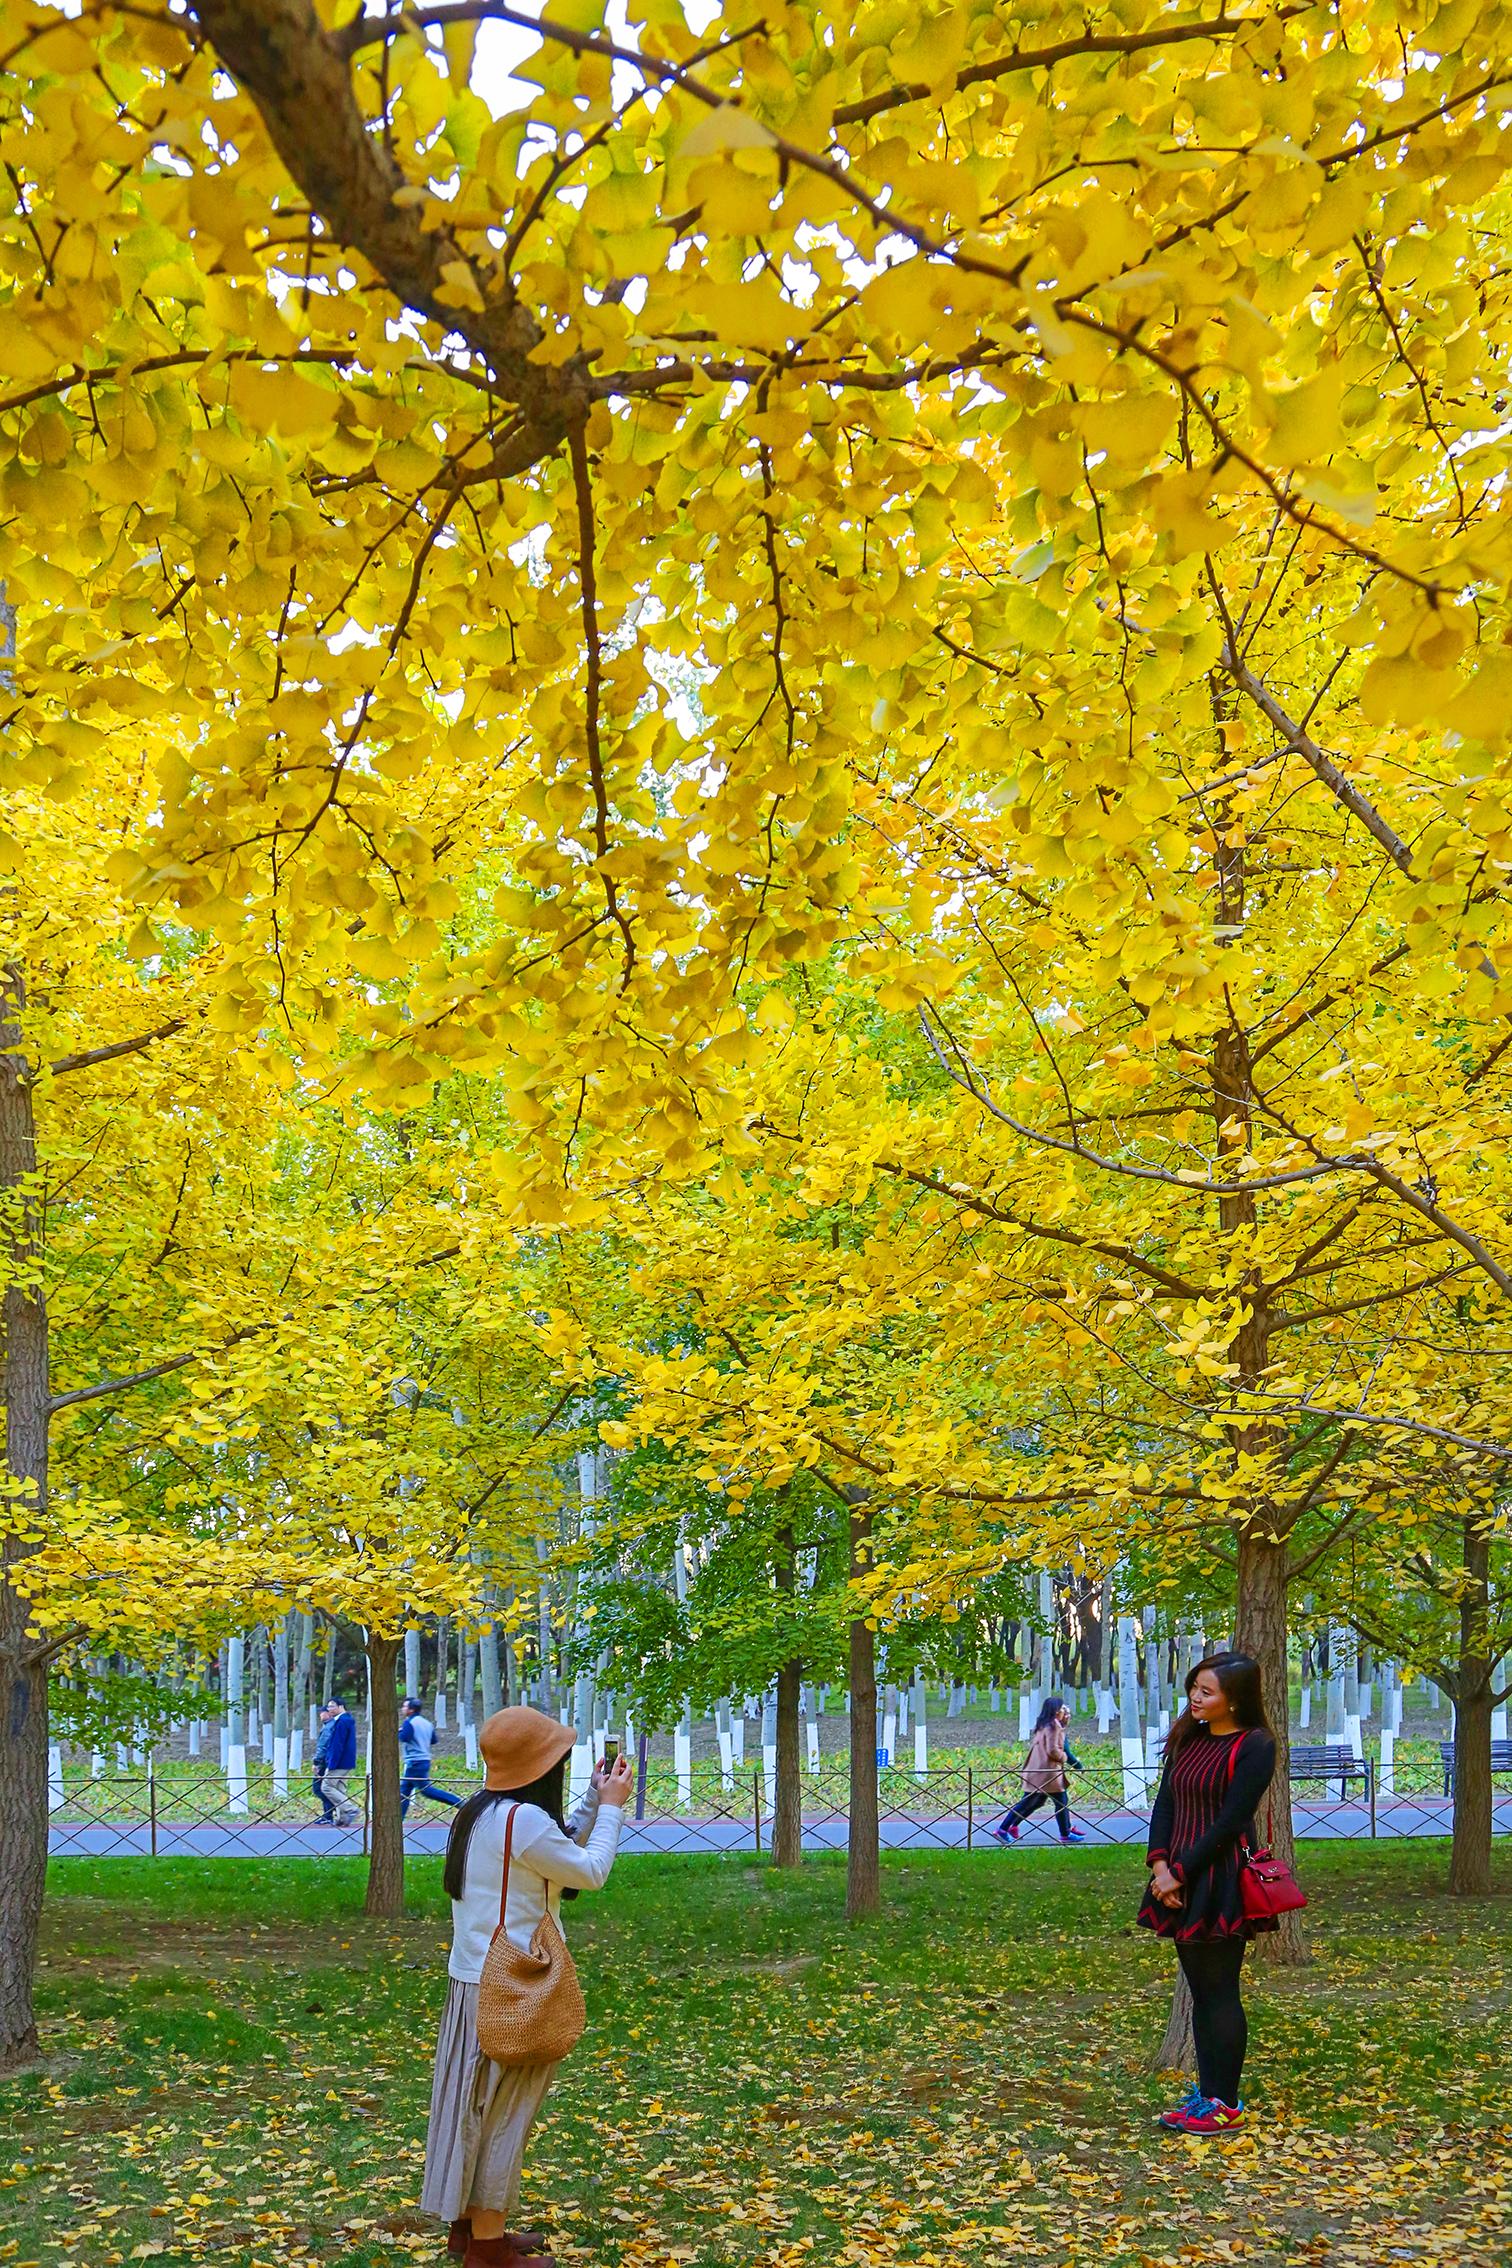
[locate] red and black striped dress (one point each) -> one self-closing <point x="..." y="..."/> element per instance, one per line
<point x="1202" y="1812"/>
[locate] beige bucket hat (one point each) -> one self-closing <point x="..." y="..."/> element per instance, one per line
<point x="518" y="1745"/>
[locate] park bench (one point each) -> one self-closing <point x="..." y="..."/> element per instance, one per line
<point x="1325" y="1763"/>
<point x="1501" y="1760"/>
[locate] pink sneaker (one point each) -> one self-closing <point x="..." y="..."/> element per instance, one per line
<point x="1209" y="2116"/>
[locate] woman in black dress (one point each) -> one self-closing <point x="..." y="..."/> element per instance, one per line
<point x="1219" y="1760"/>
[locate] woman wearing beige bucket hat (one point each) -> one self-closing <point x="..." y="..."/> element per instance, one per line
<point x="482" y="2112"/>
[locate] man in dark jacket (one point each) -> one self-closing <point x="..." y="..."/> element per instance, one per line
<point x="340" y="1758"/>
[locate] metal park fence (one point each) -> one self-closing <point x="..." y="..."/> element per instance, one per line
<point x="174" y="1813"/>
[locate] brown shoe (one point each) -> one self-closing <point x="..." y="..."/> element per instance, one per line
<point x="458" y="2237"/>
<point x="506" y="2252"/>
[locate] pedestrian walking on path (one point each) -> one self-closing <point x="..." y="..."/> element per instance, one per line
<point x="1219" y="1760"/>
<point x="482" y="2112"/>
<point x="340" y="1759"/>
<point x="1045" y="1775"/>
<point x="416" y="1738"/>
<point x="318" y="1762"/>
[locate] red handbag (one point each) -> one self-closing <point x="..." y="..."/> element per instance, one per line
<point x="1267" y="1886"/>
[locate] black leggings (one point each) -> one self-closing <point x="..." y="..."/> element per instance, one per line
<point x="1032" y="1802"/>
<point x="1220" y="2029"/>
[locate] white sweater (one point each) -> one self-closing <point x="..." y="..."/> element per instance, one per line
<point x="542" y="1862"/>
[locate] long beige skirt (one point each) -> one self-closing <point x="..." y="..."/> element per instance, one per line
<point x="481" y="2115"/>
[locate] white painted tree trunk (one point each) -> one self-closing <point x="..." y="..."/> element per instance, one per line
<point x="1386" y="1775"/>
<point x="467" y="1678"/>
<point x="889" y="1742"/>
<point x="1353" y="1714"/>
<point x="1305" y="1707"/>
<point x="236" y="1726"/>
<point x="443" y="1655"/>
<point x="737" y="1738"/>
<point x="682" y="1759"/>
<point x="1499" y="1678"/>
<point x="1337" y="1726"/>
<point x="580" y="1766"/>
<point x="279" y="1731"/>
<point x="56" y="1797"/>
<point x="488" y="1668"/>
<point x="1152" y="1688"/>
<point x="412" y="1665"/>
<point x="725" y="1743"/>
<point x="1131" y="1746"/>
<point x="301" y="1711"/>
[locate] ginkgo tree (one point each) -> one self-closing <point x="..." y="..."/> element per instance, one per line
<point x="1065" y="455"/>
<point x="400" y="445"/>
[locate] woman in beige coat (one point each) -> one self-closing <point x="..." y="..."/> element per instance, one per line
<point x="482" y="2113"/>
<point x="1045" y="1775"/>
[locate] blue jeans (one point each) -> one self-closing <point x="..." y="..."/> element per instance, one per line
<point x="417" y="1781"/>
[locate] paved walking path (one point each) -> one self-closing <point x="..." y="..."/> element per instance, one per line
<point x="232" y="1837"/>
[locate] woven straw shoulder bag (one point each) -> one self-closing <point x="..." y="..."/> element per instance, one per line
<point x="530" y="2004"/>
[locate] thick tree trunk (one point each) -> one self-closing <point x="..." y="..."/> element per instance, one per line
<point x="385" y="1889"/>
<point x="1470" y="1852"/>
<point x="1176" y="2052"/>
<point x="1260" y="1627"/>
<point x="863" y="1877"/>
<point x="488" y="1662"/>
<point x="23" y="1677"/>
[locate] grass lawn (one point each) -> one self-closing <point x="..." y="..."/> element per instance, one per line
<point x="238" y="2068"/>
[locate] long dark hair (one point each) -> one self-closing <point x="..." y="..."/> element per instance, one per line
<point x="1050" y="1710"/>
<point x="1243" y="1689"/>
<point x="545" y="1793"/>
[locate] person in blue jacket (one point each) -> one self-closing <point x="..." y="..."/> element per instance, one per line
<point x="416" y="1734"/>
<point x="340" y="1759"/>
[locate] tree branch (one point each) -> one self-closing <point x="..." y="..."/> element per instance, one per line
<point x="961" y="1075"/>
<point x="299" y="76"/>
<point x="1302" y="744"/>
<point x="40" y="1656"/>
<point x="1043" y="58"/>
<point x="969" y="1202"/>
<point x="92" y="1055"/>
<point x="119" y="1385"/>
